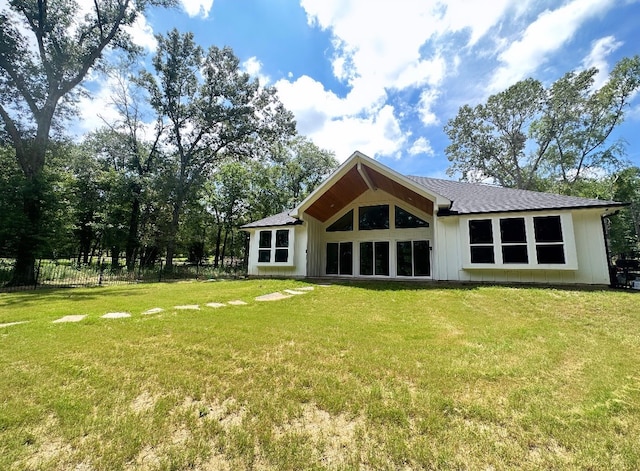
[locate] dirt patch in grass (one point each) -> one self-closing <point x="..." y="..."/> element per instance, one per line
<point x="143" y="402"/>
<point x="331" y="435"/>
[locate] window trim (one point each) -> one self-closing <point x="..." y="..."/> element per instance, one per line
<point x="274" y="248"/>
<point x="568" y="242"/>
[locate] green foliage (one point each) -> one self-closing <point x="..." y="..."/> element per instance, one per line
<point x="12" y="183"/>
<point x="210" y="111"/>
<point x="46" y="50"/>
<point x="531" y="137"/>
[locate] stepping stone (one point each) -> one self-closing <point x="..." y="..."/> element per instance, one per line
<point x="8" y="324"/>
<point x="272" y="297"/>
<point x="154" y="310"/>
<point x="305" y="288"/>
<point x="293" y="291"/>
<point x="215" y="305"/>
<point x="116" y="315"/>
<point x="185" y="307"/>
<point x="72" y="318"/>
<point x="237" y="302"/>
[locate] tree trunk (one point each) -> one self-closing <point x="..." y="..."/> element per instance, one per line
<point x="115" y="257"/>
<point x="29" y="240"/>
<point x="173" y="232"/>
<point x="216" y="260"/>
<point x="132" y="238"/>
<point x="224" y="246"/>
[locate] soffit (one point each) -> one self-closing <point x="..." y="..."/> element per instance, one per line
<point x="352" y="184"/>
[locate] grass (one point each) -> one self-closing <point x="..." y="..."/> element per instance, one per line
<point x="360" y="376"/>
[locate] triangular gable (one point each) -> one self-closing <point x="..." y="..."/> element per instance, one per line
<point x="358" y="174"/>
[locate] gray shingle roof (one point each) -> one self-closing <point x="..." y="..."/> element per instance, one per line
<point x="473" y="198"/>
<point x="281" y="219"/>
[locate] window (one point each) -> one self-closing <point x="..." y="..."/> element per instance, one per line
<point x="344" y="223"/>
<point x="513" y="235"/>
<point x="274" y="249"/>
<point x="521" y="242"/>
<point x="339" y="258"/>
<point x="549" y="241"/>
<point x="264" y="244"/>
<point x="406" y="220"/>
<point x="282" y="246"/>
<point x="412" y="258"/>
<point x="374" y="258"/>
<point x="373" y="217"/>
<point x="481" y="240"/>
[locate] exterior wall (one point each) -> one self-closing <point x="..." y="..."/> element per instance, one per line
<point x="315" y="262"/>
<point x="296" y="268"/>
<point x="318" y="237"/>
<point x="448" y="237"/>
<point x="584" y="248"/>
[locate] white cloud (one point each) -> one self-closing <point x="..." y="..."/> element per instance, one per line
<point x="375" y="135"/>
<point x="597" y="58"/>
<point x="253" y="67"/>
<point x="421" y="146"/>
<point x="98" y="108"/>
<point x="425" y="107"/>
<point x="197" y="7"/>
<point x="378" y="47"/>
<point x="550" y="31"/>
<point x="142" y="34"/>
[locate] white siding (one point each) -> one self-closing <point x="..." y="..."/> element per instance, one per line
<point x="298" y="245"/>
<point x="584" y="248"/>
<point x="315" y="261"/>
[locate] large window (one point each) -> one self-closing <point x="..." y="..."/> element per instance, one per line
<point x="373" y="217"/>
<point x="344" y="223"/>
<point x="405" y="220"/>
<point x="481" y="241"/>
<point x="274" y="246"/>
<point x="339" y="258"/>
<point x="412" y="258"/>
<point x="549" y="240"/>
<point x="374" y="258"/>
<point x="528" y="241"/>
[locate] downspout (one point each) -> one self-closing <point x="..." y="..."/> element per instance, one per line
<point x="605" y="234"/>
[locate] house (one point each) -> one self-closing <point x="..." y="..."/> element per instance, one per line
<point x="368" y="221"/>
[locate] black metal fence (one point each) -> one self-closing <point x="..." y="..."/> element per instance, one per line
<point x="68" y="273"/>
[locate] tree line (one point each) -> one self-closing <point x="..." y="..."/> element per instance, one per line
<point x="221" y="149"/>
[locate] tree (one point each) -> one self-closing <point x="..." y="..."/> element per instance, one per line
<point x="288" y="176"/>
<point x="211" y="110"/>
<point x="535" y="138"/>
<point x="303" y="166"/>
<point x="226" y="200"/>
<point x="46" y="51"/>
<point x="133" y="156"/>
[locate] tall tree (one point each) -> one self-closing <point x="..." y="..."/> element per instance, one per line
<point x="134" y="154"/>
<point x="47" y="49"/>
<point x="211" y="110"/>
<point x="531" y="137"/>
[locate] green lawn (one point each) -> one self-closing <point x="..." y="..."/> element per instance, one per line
<point x="361" y="376"/>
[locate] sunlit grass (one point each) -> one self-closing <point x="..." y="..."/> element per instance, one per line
<point x="362" y="376"/>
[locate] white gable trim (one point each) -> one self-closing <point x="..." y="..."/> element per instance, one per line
<point x="357" y="159"/>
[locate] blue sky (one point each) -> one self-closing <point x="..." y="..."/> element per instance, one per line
<point x="384" y="77"/>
